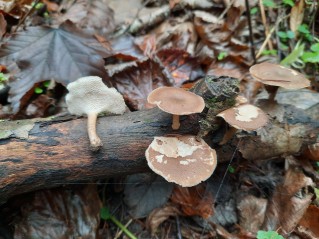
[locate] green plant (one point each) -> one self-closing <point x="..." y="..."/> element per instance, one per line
<point x="221" y="55"/>
<point x="3" y="78"/>
<point x="268" y="235"/>
<point x="106" y="215"/>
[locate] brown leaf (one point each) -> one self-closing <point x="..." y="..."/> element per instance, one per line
<point x="60" y="213"/>
<point x="296" y="15"/>
<point x="159" y="215"/>
<point x="51" y="6"/>
<point x="310" y="220"/>
<point x="194" y="200"/>
<point x="136" y="82"/>
<point x="94" y="16"/>
<point x="180" y="65"/>
<point x="45" y="53"/>
<point x="3" y="25"/>
<point x="289" y="201"/>
<point x="15" y="8"/>
<point x="125" y="49"/>
<point x="39" y="107"/>
<point x="252" y="212"/>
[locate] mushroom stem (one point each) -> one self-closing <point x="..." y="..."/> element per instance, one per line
<point x="175" y="123"/>
<point x="95" y="141"/>
<point x="272" y="91"/>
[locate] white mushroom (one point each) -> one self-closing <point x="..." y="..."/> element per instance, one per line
<point x="181" y="159"/>
<point x="90" y="96"/>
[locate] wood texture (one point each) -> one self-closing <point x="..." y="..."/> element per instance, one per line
<point x="57" y="152"/>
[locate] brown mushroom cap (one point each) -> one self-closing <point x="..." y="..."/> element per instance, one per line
<point x="181" y="159"/>
<point x="277" y="75"/>
<point x="176" y="101"/>
<point x="247" y="117"/>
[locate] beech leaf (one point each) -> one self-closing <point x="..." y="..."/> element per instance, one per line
<point x="44" y="53"/>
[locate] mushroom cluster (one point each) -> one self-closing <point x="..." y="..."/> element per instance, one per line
<point x="90" y="96"/>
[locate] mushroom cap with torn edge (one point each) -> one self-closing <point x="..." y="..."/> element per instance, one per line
<point x="181" y="159"/>
<point x="246" y="117"/>
<point x="176" y="101"/>
<point x="277" y="75"/>
<point x="90" y="95"/>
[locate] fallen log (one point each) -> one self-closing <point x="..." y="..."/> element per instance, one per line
<point x="45" y="154"/>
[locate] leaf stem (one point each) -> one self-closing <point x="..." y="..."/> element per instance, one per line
<point x="122" y="227"/>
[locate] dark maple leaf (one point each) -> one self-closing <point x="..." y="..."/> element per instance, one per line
<point x="180" y="65"/>
<point x="136" y="82"/>
<point x="44" y="53"/>
<point x="94" y="16"/>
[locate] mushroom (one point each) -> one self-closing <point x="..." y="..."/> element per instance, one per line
<point x="245" y="116"/>
<point x="181" y="159"/>
<point x="90" y="96"/>
<point x="176" y="101"/>
<point x="273" y="76"/>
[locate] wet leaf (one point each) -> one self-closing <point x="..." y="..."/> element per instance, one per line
<point x="145" y="192"/>
<point x="180" y="65"/>
<point x="136" y="82"/>
<point x="14" y="8"/>
<point x="159" y="215"/>
<point x="93" y="16"/>
<point x="45" y="53"/>
<point x="60" y="214"/>
<point x="194" y="200"/>
<point x="124" y="48"/>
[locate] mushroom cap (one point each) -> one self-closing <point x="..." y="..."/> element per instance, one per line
<point x="277" y="75"/>
<point x="90" y="95"/>
<point x="247" y="117"/>
<point x="181" y="159"/>
<point x="176" y="100"/>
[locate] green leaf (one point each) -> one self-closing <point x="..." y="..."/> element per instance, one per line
<point x="315" y="47"/>
<point x="290" y="34"/>
<point x="312" y="57"/>
<point x="46" y="84"/>
<point x="283" y="46"/>
<point x="282" y="34"/>
<point x="294" y="55"/>
<point x="3" y="77"/>
<point x="269" y="3"/>
<point x="254" y="10"/>
<point x="269" y="52"/>
<point x="231" y="169"/>
<point x="105" y="213"/>
<point x="221" y="55"/>
<point x="38" y="90"/>
<point x="268" y="235"/>
<point x="303" y="28"/>
<point x="289" y="2"/>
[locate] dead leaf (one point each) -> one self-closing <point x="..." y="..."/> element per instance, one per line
<point x="93" y="16"/>
<point x="60" y="213"/>
<point x="296" y="15"/>
<point x="45" y="53"/>
<point x="310" y="220"/>
<point x="147" y="44"/>
<point x="180" y="65"/>
<point x="51" y="6"/>
<point x="252" y="212"/>
<point x="15" y="8"/>
<point x="289" y="201"/>
<point x="125" y="49"/>
<point x="39" y="108"/>
<point x="136" y="82"/>
<point x="145" y="192"/>
<point x="159" y="215"/>
<point x="3" y="25"/>
<point x="194" y="200"/>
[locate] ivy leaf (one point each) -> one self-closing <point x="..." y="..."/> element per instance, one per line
<point x="312" y="57"/>
<point x="44" y="53"/>
<point x="315" y="47"/>
<point x="269" y="3"/>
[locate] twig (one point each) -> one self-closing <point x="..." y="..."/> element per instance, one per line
<point x="226" y="10"/>
<point x="251" y="37"/>
<point x="261" y="49"/>
<point x="26" y="15"/>
<point x="264" y="20"/>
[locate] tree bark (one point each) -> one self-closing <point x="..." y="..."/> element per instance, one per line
<point x="50" y="153"/>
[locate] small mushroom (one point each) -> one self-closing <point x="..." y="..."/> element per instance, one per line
<point x="245" y="116"/>
<point x="176" y="101"/>
<point x="181" y="159"/>
<point x="273" y="76"/>
<point x="90" y="96"/>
